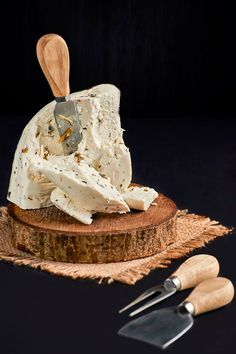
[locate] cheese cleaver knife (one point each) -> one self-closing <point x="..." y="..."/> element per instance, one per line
<point x="190" y="273"/>
<point x="163" y="327"/>
<point x="53" y="57"/>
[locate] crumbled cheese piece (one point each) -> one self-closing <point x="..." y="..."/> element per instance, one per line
<point x="115" y="163"/>
<point x="140" y="198"/>
<point x="87" y="187"/>
<point x="70" y="206"/>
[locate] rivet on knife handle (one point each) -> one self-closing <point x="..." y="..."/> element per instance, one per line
<point x="211" y="294"/>
<point x="53" y="57"/>
<point x="195" y="270"/>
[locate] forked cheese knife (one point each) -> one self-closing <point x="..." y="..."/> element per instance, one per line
<point x="53" y="57"/>
<point x="192" y="272"/>
<point x="164" y="326"/>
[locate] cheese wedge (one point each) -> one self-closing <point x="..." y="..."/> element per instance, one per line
<point x="93" y="179"/>
<point x="86" y="186"/>
<point x="41" y="173"/>
<point x="100" y="125"/>
<point x="140" y="198"/>
<point x="70" y="206"/>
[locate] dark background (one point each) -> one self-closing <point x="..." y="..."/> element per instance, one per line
<point x="174" y="62"/>
<point x="167" y="57"/>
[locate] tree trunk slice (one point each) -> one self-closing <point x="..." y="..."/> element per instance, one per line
<point x="50" y="234"/>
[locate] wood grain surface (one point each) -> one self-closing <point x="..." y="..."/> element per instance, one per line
<point x="211" y="294"/>
<point x="49" y="233"/>
<point x="197" y="269"/>
<point x="53" y="57"/>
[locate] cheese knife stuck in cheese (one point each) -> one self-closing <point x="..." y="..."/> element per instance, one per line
<point x="165" y="326"/>
<point x="193" y="271"/>
<point x="53" y="57"/>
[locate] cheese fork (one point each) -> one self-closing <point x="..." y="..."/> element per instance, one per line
<point x="164" y="326"/>
<point x="190" y="273"/>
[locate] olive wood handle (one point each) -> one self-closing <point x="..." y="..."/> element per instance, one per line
<point x="53" y="57"/>
<point x="196" y="269"/>
<point x="211" y="294"/>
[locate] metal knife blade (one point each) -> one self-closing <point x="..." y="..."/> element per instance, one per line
<point x="159" y="328"/>
<point x="68" y="124"/>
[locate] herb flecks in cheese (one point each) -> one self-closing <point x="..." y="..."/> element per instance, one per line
<point x="25" y="150"/>
<point x="40" y="168"/>
<point x="85" y="185"/>
<point x="93" y="179"/>
<point x="70" y="206"/>
<point x="140" y="198"/>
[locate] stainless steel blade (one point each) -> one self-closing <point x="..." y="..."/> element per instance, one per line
<point x="159" y="328"/>
<point x="143" y="296"/>
<point x="68" y="124"/>
<point x="164" y="294"/>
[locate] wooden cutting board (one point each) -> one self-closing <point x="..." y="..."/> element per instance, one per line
<point x="51" y="234"/>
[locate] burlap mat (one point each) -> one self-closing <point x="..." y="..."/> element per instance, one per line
<point x="193" y="231"/>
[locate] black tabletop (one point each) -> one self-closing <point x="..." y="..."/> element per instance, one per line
<point x="193" y="161"/>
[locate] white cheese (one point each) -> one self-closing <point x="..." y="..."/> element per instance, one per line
<point x="100" y="121"/>
<point x="70" y="206"/>
<point x="85" y="185"/>
<point x="140" y="198"/>
<point x="94" y="178"/>
<point x="115" y="163"/>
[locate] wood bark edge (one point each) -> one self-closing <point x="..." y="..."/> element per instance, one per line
<point x="93" y="248"/>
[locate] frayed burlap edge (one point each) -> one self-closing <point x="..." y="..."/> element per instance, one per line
<point x="193" y="231"/>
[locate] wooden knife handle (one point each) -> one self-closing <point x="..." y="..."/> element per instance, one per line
<point x="53" y="57"/>
<point x="211" y="294"/>
<point x="196" y="269"/>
